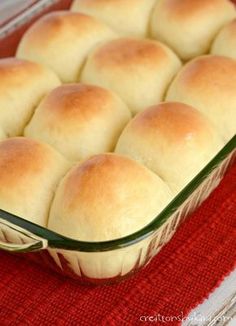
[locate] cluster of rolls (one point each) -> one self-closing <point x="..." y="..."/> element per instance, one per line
<point x="102" y="121"/>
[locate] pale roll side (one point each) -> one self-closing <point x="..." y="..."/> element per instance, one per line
<point x="208" y="83"/>
<point x="29" y="174"/>
<point x="189" y="26"/>
<point x="225" y="42"/>
<point x="23" y="84"/>
<point x="128" y="17"/>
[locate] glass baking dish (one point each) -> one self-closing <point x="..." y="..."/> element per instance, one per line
<point x="109" y="261"/>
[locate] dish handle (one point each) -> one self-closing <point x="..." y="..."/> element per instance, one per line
<point x="29" y="247"/>
<point x="15" y="239"/>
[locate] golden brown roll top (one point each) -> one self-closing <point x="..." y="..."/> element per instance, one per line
<point x="107" y="197"/>
<point x="29" y="173"/>
<point x="209" y="84"/>
<point x="172" y="139"/>
<point x="225" y="41"/>
<point x="22" y="86"/>
<point x="139" y="71"/>
<point x="61" y="40"/>
<point x="189" y="26"/>
<point x="128" y="17"/>
<point x="79" y="120"/>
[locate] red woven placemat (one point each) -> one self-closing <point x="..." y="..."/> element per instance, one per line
<point x="189" y="267"/>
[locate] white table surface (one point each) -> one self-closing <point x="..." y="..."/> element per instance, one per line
<point x="219" y="308"/>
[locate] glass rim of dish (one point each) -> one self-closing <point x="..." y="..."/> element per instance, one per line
<point x="58" y="241"/>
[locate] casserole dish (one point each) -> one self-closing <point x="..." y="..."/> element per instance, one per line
<point x="107" y="261"/>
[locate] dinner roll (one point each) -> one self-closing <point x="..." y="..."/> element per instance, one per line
<point x="225" y="42"/>
<point x="209" y="84"/>
<point x="22" y="86"/>
<point x="29" y="173"/>
<point x="107" y="197"/>
<point x="129" y="17"/>
<point x="61" y="40"/>
<point x="189" y="26"/>
<point x="79" y="120"/>
<point x="2" y="135"/>
<point x="139" y="71"/>
<point x="172" y="139"/>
